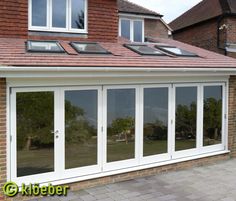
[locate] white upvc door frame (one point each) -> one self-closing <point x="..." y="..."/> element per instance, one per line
<point x="224" y="136"/>
<point x="108" y="166"/>
<point x="37" y="178"/>
<point x="193" y="151"/>
<point x="59" y="142"/>
<point x="103" y="167"/>
<point x="86" y="170"/>
<point x="158" y="157"/>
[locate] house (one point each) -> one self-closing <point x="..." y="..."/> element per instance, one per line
<point x="211" y="24"/>
<point x="81" y="106"/>
<point x="137" y="23"/>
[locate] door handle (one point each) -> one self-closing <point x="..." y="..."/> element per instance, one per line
<point x="55" y="133"/>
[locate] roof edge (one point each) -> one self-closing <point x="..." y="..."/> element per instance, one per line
<point x="198" y="23"/>
<point x="140" y="13"/>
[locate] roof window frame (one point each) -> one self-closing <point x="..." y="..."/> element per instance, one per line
<point x="106" y="52"/>
<point x="144" y="54"/>
<point x="28" y="49"/>
<point x="161" y="47"/>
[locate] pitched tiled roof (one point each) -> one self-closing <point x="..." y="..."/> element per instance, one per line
<point x="13" y="53"/>
<point x="125" y="6"/>
<point x="205" y="10"/>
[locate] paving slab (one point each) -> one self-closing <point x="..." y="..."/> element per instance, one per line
<point x="215" y="182"/>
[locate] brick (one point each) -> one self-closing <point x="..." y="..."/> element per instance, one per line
<point x="102" y="16"/>
<point x="155" y="29"/>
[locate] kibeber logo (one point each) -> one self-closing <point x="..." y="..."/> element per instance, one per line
<point x="11" y="189"/>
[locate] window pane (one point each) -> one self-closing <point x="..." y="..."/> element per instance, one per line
<point x="125" y="29"/>
<point x="39" y="13"/>
<point x="80" y="128"/>
<point x="35" y="142"/>
<point x="41" y="46"/>
<point x="212" y="129"/>
<point x="93" y="48"/>
<point x="144" y="49"/>
<point x="186" y="115"/>
<point x="138" y="31"/>
<point x="78" y="14"/>
<point x="176" y="51"/>
<point x="59" y="13"/>
<point x="120" y="124"/>
<point x="155" y="121"/>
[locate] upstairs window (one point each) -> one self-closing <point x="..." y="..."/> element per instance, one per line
<point x="58" y="15"/>
<point x="132" y="29"/>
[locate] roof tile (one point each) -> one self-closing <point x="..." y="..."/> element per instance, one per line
<point x="13" y="53"/>
<point x="126" y="6"/>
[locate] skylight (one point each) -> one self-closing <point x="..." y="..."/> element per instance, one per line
<point x="44" y="46"/>
<point x="176" y="51"/>
<point x="89" y="48"/>
<point x="144" y="49"/>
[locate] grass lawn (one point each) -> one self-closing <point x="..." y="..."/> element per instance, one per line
<point x="79" y="155"/>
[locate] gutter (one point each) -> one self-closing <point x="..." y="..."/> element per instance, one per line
<point x="111" y="72"/>
<point x="112" y="69"/>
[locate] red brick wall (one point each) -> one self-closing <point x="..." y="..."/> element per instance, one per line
<point x="231" y="30"/>
<point x="13" y="18"/>
<point x="2" y="134"/>
<point x="102" y="20"/>
<point x="203" y="35"/>
<point x="232" y="116"/>
<point x="155" y="28"/>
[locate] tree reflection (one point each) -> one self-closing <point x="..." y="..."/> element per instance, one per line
<point x="122" y="129"/>
<point x="78" y="128"/>
<point x="212" y="121"/>
<point x="186" y="121"/>
<point x="155" y="131"/>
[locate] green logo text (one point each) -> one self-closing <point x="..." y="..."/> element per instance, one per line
<point x="11" y="189"/>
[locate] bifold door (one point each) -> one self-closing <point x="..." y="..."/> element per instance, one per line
<point x="64" y="132"/>
<point x="55" y="132"/>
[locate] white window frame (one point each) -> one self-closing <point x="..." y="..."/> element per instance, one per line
<point x="132" y="20"/>
<point x="49" y="28"/>
<point x="108" y="166"/>
<point x="158" y="157"/>
<point x="60" y="175"/>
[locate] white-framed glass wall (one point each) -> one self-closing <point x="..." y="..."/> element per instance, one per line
<point x="64" y="132"/>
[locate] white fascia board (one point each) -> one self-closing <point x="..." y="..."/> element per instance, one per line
<point x="167" y="26"/>
<point x="138" y="16"/>
<point x="111" y="72"/>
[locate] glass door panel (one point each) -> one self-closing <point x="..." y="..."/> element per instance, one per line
<point x="120" y="124"/>
<point x="81" y="127"/>
<point x="185" y="118"/>
<point x="155" y="122"/>
<point x="212" y="121"/>
<point x="34" y="132"/>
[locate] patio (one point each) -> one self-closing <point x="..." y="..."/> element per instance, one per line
<point x="209" y="183"/>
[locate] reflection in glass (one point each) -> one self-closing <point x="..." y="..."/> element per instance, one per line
<point x="39" y="13"/>
<point x="125" y="29"/>
<point x="77" y="14"/>
<point x="138" y="31"/>
<point x="80" y="128"/>
<point x="155" y="121"/>
<point x="120" y="124"/>
<point x="35" y="142"/>
<point x="186" y="115"/>
<point x="212" y="123"/>
<point x="59" y="13"/>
